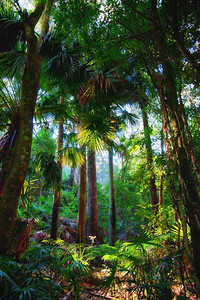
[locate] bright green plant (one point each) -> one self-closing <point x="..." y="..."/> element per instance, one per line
<point x="45" y="272"/>
<point x="141" y="265"/>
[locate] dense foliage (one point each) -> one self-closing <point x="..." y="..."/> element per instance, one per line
<point x="99" y="149"/>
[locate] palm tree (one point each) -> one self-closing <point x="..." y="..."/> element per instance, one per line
<point x="92" y="207"/>
<point x="81" y="220"/>
<point x="57" y="191"/>
<point x="65" y="73"/>
<point x="102" y="96"/>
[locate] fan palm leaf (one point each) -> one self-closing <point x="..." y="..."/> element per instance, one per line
<point x="72" y="154"/>
<point x="10" y="117"/>
<point x="12" y="63"/>
<point x="58" y="59"/>
<point x="11" y="28"/>
<point x="96" y="131"/>
<point x="48" y="168"/>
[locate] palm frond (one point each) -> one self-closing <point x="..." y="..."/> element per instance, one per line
<point x="9" y="106"/>
<point x="59" y="60"/>
<point x="73" y="156"/>
<point x="48" y="169"/>
<point x="58" y="111"/>
<point x="127" y="117"/>
<point x="96" y="132"/>
<point x="11" y="29"/>
<point x="12" y="63"/>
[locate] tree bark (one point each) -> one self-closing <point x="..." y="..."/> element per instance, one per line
<point x="179" y="140"/>
<point x="58" y="189"/>
<point x="20" y="156"/>
<point x="162" y="175"/>
<point x="152" y="184"/>
<point x="71" y="179"/>
<point x="112" y="213"/>
<point x="92" y="208"/>
<point x="80" y="238"/>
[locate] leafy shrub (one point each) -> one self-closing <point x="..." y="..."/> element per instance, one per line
<point x="45" y="272"/>
<point x="69" y="204"/>
<point x="140" y="266"/>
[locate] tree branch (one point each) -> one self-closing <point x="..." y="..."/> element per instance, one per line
<point x="35" y="16"/>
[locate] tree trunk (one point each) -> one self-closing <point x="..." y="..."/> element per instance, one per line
<point x="20" y="156"/>
<point x="162" y="175"/>
<point x="58" y="189"/>
<point x="92" y="208"/>
<point x="82" y="205"/>
<point x="71" y="179"/>
<point x="179" y="140"/>
<point x="152" y="185"/>
<point x="112" y="214"/>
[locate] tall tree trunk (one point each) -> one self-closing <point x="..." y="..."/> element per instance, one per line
<point x="92" y="208"/>
<point x="82" y="204"/>
<point x="20" y="156"/>
<point x="192" y="199"/>
<point x="71" y="179"/>
<point x="152" y="185"/>
<point x="112" y="213"/>
<point x="73" y="169"/>
<point x="58" y="188"/>
<point x="162" y="175"/>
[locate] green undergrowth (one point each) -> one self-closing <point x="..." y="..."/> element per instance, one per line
<point x="51" y="270"/>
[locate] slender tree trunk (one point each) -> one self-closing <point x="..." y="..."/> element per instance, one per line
<point x="92" y="208"/>
<point x="152" y="185"/>
<point x="162" y="175"/>
<point x="58" y="189"/>
<point x="71" y="179"/>
<point x="73" y="170"/>
<point x="112" y="213"/>
<point x="20" y="156"/>
<point x="82" y="204"/>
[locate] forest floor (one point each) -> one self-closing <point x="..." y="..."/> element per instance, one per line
<point x="119" y="287"/>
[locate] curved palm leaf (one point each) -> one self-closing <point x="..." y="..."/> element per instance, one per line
<point x="48" y="169"/>
<point x="96" y="131"/>
<point x="59" y="60"/>
<point x="10" y="116"/>
<point x="12" y="63"/>
<point x="72" y="155"/>
<point x="11" y="28"/>
<point x="60" y="110"/>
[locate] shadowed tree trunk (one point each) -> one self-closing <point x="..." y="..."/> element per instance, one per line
<point x="92" y="208"/>
<point x="58" y="188"/>
<point x="82" y="204"/>
<point x="149" y="153"/>
<point x="179" y="139"/>
<point x="71" y="179"/>
<point x="20" y="155"/>
<point x="162" y="175"/>
<point x="112" y="213"/>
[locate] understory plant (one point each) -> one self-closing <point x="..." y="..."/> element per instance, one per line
<point x="46" y="271"/>
<point x="142" y="268"/>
